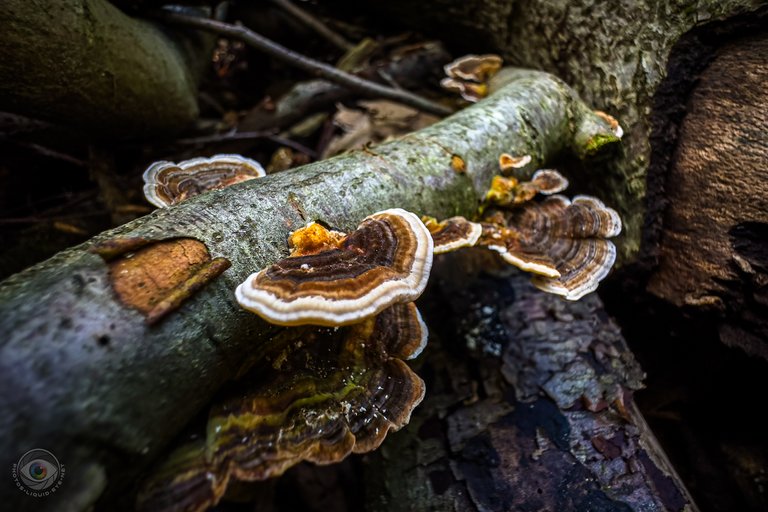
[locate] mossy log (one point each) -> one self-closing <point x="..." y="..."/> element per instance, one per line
<point x="529" y="406"/>
<point x="86" y="376"/>
<point x="86" y="64"/>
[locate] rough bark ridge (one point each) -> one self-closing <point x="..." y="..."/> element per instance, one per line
<point x="85" y="374"/>
<point x="615" y="54"/>
<point x="67" y="62"/>
<point x="529" y="407"/>
<point x="711" y="194"/>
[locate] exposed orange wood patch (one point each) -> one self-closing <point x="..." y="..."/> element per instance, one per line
<point x="157" y="278"/>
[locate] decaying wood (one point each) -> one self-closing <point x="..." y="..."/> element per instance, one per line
<point x="529" y="407"/>
<point x="87" y="377"/>
<point x="713" y="249"/>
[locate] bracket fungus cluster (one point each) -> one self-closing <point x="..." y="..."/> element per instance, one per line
<point x="168" y="183"/>
<point x="563" y="242"/>
<point x="316" y="394"/>
<point x="469" y="75"/>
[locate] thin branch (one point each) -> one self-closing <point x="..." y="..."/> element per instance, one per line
<point x="315" y="24"/>
<point x="312" y="66"/>
<point x="227" y="137"/>
<point x="44" y="151"/>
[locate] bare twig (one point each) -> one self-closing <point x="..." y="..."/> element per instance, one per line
<point x="319" y="69"/>
<point x="47" y="152"/>
<point x="231" y="136"/>
<point x="315" y="24"/>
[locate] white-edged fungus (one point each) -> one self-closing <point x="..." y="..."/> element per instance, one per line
<point x="385" y="261"/>
<point x="168" y="183"/>
<point x="453" y="233"/>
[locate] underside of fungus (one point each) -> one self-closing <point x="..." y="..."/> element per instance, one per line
<point x="385" y="261"/>
<point x="332" y="393"/>
<point x="168" y="183"/>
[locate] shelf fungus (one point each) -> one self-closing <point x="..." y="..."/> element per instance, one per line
<point x="168" y="183"/>
<point x="452" y="234"/>
<point x="565" y="242"/>
<point x="336" y="392"/>
<point x="508" y="163"/>
<point x="469" y="75"/>
<point x="385" y="261"/>
<point x="511" y="191"/>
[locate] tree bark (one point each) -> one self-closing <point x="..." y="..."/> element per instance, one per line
<point x="529" y="407"/>
<point x="86" y="376"/>
<point x="712" y="197"/>
<point x="68" y="62"/>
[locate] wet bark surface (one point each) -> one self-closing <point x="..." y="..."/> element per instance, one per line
<point x="529" y="407"/>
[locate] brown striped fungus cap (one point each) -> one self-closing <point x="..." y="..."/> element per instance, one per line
<point x="385" y="261"/>
<point x="563" y="241"/>
<point x="453" y="233"/>
<point x="339" y="391"/>
<point x="469" y="75"/>
<point x="168" y="183"/>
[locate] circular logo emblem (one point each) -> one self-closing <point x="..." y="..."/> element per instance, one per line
<point x="37" y="472"/>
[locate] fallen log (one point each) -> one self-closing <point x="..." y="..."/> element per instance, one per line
<point x="87" y="377"/>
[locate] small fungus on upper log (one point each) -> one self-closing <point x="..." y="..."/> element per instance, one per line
<point x="385" y="261"/>
<point x="510" y="191"/>
<point x="314" y="238"/>
<point x="508" y="163"/>
<point x="329" y="394"/>
<point x="475" y="68"/>
<point x="469" y="75"/>
<point x="616" y="128"/>
<point x="168" y="183"/>
<point x="453" y="233"/>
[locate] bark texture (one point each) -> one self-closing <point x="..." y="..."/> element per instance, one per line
<point x="66" y="61"/>
<point x="86" y="375"/>
<point x="529" y="407"/>
<point x="712" y="252"/>
<point x="615" y="54"/>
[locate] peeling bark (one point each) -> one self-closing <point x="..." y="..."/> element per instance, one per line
<point x="108" y="409"/>
<point x="712" y="198"/>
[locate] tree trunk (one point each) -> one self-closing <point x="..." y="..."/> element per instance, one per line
<point x="85" y="64"/>
<point x="615" y="55"/>
<point x="87" y="375"/>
